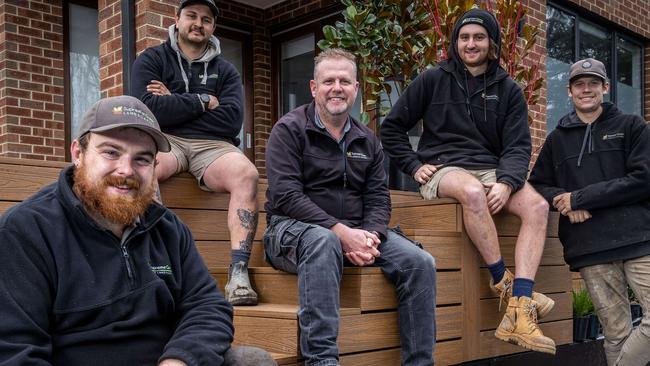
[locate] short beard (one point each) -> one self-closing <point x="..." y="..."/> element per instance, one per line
<point x="121" y="210"/>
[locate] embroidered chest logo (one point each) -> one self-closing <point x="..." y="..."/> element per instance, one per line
<point x="356" y="155"/>
<point x="165" y="270"/>
<point x="612" y="136"/>
<point x="490" y="97"/>
<point x="211" y="76"/>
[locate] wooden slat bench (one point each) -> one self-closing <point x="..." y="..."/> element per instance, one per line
<point x="466" y="311"/>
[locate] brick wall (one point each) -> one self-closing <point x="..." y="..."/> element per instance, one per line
<point x="31" y="80"/>
<point x="110" y="47"/>
<point x="537" y="17"/>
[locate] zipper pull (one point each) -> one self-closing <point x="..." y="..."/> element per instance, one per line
<point x="345" y="179"/>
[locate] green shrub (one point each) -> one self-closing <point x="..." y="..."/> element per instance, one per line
<point x="582" y="304"/>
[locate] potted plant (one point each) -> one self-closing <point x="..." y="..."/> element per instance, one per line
<point x="582" y="309"/>
<point x="635" y="308"/>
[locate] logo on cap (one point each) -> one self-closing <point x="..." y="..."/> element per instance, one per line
<point x="473" y="20"/>
<point x="117" y="111"/>
<point x="586" y="65"/>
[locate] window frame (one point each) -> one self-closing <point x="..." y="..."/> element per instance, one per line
<point x="67" y="99"/>
<point x="246" y="40"/>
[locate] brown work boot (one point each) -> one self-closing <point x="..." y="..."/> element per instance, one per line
<point x="504" y="290"/>
<point x="519" y="326"/>
<point x="238" y="289"/>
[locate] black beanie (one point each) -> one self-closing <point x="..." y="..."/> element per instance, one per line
<point x="480" y="17"/>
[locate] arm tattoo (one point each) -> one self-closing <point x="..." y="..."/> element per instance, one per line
<point x="248" y="220"/>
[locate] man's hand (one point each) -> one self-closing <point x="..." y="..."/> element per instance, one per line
<point x="157" y="88"/>
<point x="578" y="216"/>
<point x="424" y="174"/>
<point x="497" y="196"/>
<point x="562" y="202"/>
<point x="214" y="102"/>
<point x="172" y="362"/>
<point x="359" y="246"/>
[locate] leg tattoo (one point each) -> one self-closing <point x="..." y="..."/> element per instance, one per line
<point x="248" y="221"/>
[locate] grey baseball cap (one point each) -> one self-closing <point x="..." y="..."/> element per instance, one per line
<point x="209" y="3"/>
<point x="122" y="111"/>
<point x="588" y="66"/>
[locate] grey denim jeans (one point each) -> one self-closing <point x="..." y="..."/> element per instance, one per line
<point x="315" y="254"/>
<point x="607" y="286"/>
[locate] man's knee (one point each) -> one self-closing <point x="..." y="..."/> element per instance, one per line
<point x="321" y="244"/>
<point x="473" y="196"/>
<point x="537" y="207"/>
<point x="248" y="356"/>
<point x="235" y="173"/>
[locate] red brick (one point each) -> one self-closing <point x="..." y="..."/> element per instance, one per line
<point x="41" y="61"/>
<point x="42" y="115"/>
<point x="19" y="148"/>
<point x="41" y="25"/>
<point x="31" y="140"/>
<point x="18" y="111"/>
<point x="43" y="150"/>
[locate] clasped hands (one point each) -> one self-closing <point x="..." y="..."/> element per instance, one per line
<point x="359" y="246"/>
<point x="562" y="202"/>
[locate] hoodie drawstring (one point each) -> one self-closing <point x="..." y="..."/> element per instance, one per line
<point x="484" y="98"/>
<point x="180" y="65"/>
<point x="585" y="142"/>
<point x="205" y="73"/>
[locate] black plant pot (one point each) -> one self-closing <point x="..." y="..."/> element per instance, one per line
<point x="580" y="326"/>
<point x="636" y="311"/>
<point x="593" y="329"/>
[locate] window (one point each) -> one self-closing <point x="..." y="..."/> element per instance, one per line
<point x="82" y="62"/>
<point x="296" y="70"/>
<point x="235" y="48"/>
<point x="294" y="67"/>
<point x="570" y="38"/>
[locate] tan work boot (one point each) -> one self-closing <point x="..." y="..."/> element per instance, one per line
<point x="238" y="289"/>
<point x="519" y="326"/>
<point x="504" y="289"/>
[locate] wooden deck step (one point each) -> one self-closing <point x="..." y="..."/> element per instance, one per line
<point x="275" y="328"/>
<point x="365" y="288"/>
<point x="284" y="359"/>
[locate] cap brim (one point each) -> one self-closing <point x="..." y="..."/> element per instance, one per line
<point x="587" y="73"/>
<point x="162" y="143"/>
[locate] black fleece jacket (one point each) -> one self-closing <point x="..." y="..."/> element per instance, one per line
<point x="72" y="293"/>
<point x="606" y="167"/>
<point x="312" y="180"/>
<point x="472" y="128"/>
<point x="182" y="114"/>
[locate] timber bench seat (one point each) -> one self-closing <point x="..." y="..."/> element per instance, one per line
<point x="466" y="311"/>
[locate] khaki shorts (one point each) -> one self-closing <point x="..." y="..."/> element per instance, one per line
<point x="429" y="190"/>
<point x="195" y="155"/>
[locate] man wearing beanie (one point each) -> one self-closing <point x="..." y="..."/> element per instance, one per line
<point x="93" y="272"/>
<point x="594" y="168"/>
<point x="475" y="147"/>
<point x="197" y="97"/>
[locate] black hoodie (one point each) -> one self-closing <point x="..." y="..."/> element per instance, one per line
<point x="485" y="128"/>
<point x="182" y="114"/>
<point x="72" y="293"/>
<point x="606" y="167"/>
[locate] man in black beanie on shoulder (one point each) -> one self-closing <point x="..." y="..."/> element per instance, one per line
<point x="475" y="147"/>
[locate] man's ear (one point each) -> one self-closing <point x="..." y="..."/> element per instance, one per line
<point x="76" y="152"/>
<point x="312" y="87"/>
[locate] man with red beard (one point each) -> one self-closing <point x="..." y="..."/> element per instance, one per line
<point x="93" y="272"/>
